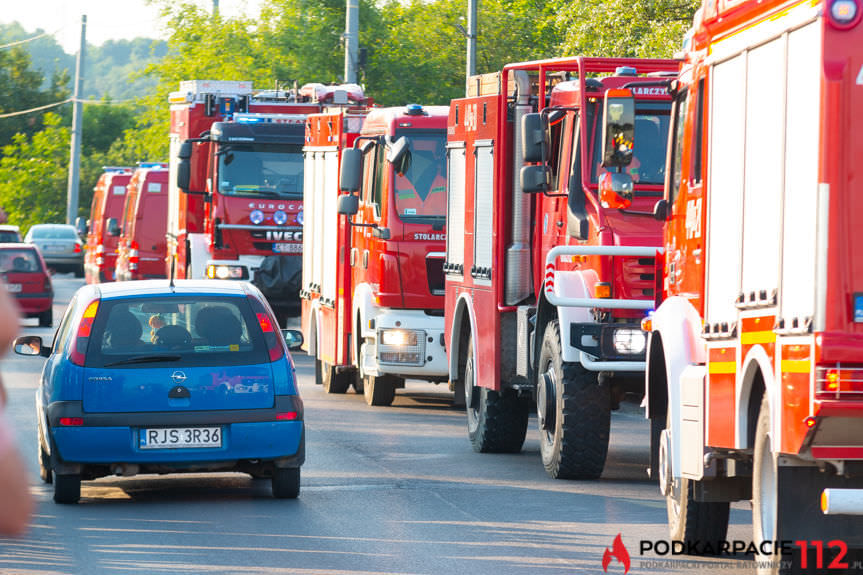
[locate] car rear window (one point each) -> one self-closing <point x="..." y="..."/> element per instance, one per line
<point x="54" y="233"/>
<point x="9" y="236"/>
<point x="175" y="331"/>
<point x="22" y="260"/>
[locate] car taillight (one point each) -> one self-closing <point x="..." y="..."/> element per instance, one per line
<point x="287" y="416"/>
<point x="73" y="421"/>
<point x="46" y="285"/>
<point x="269" y="328"/>
<point x="82" y="337"/>
<point x="77" y="248"/>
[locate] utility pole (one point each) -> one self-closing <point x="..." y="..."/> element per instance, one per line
<point x="471" y="39"/>
<point x="352" y="40"/>
<point x="77" y="121"/>
<point x="215" y="7"/>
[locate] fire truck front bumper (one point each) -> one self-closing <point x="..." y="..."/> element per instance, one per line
<point x="609" y="346"/>
<point x="407" y="343"/>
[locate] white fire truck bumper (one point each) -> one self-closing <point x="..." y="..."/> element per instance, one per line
<point x="407" y="343"/>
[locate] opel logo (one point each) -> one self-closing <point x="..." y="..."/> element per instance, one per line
<point x="178" y="377"/>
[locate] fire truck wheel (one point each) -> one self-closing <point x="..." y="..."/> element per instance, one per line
<point x="496" y="420"/>
<point x="380" y="390"/>
<point x="574" y="414"/>
<point x="765" y="492"/>
<point x="690" y="520"/>
<point x="332" y="382"/>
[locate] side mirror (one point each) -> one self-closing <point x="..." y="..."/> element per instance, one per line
<point x="534" y="179"/>
<point x="351" y="172"/>
<point x="660" y="210"/>
<point x="113" y="227"/>
<point x="618" y="129"/>
<point x="382" y="233"/>
<point x="81" y="226"/>
<point x="615" y="190"/>
<point x="184" y="171"/>
<point x="294" y="338"/>
<point x="533" y="135"/>
<point x="349" y="204"/>
<point x="399" y="155"/>
<point x="30" y="345"/>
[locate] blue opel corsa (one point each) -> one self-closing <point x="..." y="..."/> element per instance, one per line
<point x="152" y="377"/>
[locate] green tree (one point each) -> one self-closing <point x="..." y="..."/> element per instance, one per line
<point x="33" y="175"/>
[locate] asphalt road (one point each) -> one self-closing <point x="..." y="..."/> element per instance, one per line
<point x="384" y="490"/>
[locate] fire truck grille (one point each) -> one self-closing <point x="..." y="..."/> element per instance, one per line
<point x="639" y="278"/>
<point x="435" y="275"/>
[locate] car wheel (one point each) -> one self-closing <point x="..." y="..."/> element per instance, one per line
<point x="286" y="482"/>
<point x="44" y="462"/>
<point x="46" y="318"/>
<point x="67" y="488"/>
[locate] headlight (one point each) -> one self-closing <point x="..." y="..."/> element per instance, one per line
<point x="843" y="12"/>
<point x="629" y="341"/>
<point x="398" y="337"/>
<point x="256" y="217"/>
<point x="227" y="272"/>
<point x="300" y="217"/>
<point x="280" y="218"/>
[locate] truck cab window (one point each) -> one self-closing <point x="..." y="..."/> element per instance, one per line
<point x="680" y="107"/>
<point x="577" y="221"/>
<point x="420" y="193"/>
<point x="557" y="133"/>
<point x="269" y="170"/>
<point x="651" y="140"/>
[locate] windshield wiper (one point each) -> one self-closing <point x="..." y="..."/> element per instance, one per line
<point x="145" y="359"/>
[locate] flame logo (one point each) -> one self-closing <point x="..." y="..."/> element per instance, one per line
<point x="619" y="552"/>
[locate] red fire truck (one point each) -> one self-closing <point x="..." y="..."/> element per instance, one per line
<point x="108" y="196"/>
<point x="373" y="281"/>
<point x="236" y="197"/>
<point x="755" y="355"/>
<point x="540" y="286"/>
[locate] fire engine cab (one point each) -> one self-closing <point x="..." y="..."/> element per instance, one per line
<point x="754" y="383"/>
<point x="236" y="198"/>
<point x="547" y="285"/>
<point x="373" y="280"/>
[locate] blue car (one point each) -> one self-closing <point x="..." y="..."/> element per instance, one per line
<point x="152" y="377"/>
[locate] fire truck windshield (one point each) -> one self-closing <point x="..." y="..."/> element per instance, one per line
<point x="420" y="192"/>
<point x="651" y="141"/>
<point x="272" y="170"/>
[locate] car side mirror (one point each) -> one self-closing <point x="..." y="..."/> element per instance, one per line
<point x="615" y="190"/>
<point x="30" y="345"/>
<point x="113" y="227"/>
<point x="294" y="338"/>
<point x="533" y="134"/>
<point x="351" y="171"/>
<point x="349" y="204"/>
<point x="618" y="128"/>
<point x="184" y="171"/>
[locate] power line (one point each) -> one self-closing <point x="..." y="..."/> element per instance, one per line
<point x="45" y="107"/>
<point x="36" y="37"/>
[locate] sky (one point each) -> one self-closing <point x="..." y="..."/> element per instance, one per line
<point x="106" y="19"/>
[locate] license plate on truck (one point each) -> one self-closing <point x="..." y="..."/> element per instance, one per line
<point x="180" y="437"/>
<point x="283" y="248"/>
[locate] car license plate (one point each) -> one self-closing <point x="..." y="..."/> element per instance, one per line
<point x="287" y="248"/>
<point x="177" y="437"/>
<point x="53" y="248"/>
<point x="13" y="288"/>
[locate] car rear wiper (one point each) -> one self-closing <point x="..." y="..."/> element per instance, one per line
<point x="145" y="359"/>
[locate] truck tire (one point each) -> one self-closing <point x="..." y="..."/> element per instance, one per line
<point x="46" y="318"/>
<point x="286" y="482"/>
<point x="765" y="493"/>
<point x="574" y="414"/>
<point x="67" y="488"/>
<point x="330" y="380"/>
<point x="380" y="390"/>
<point x="690" y="520"/>
<point x="496" y="420"/>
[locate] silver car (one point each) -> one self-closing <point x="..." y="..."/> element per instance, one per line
<point x="60" y="245"/>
